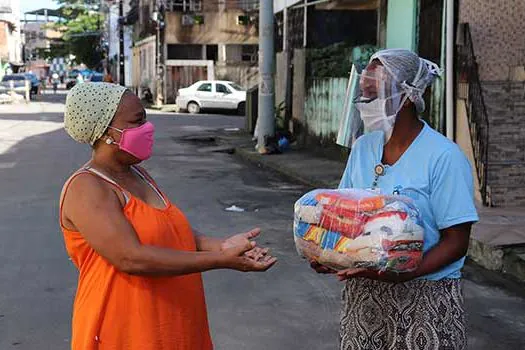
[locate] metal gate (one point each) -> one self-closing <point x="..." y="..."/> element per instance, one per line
<point x="181" y="77"/>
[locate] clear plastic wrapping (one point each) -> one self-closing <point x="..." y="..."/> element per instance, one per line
<point x="354" y="228"/>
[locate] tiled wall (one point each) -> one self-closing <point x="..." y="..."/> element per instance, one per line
<point x="498" y="29"/>
<point x="505" y="102"/>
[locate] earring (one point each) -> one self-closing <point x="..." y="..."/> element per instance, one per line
<point x="109" y="141"/>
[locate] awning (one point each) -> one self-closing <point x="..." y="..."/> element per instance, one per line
<point x="42" y="12"/>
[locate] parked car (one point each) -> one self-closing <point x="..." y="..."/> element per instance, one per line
<point x="19" y="80"/>
<point x="18" y="83"/>
<point x="35" y="83"/>
<point x="216" y="94"/>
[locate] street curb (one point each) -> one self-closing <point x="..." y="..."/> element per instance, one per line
<point x="514" y="265"/>
<point x="259" y="160"/>
<point x="168" y="108"/>
<point x="505" y="260"/>
<point x="509" y="260"/>
<point x="494" y="258"/>
<point x="485" y="255"/>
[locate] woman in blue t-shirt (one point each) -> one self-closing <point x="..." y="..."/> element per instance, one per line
<point x="400" y="154"/>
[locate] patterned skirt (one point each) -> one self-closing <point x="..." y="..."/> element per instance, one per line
<point x="419" y="314"/>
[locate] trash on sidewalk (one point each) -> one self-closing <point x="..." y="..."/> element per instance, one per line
<point x="270" y="146"/>
<point x="232" y="129"/>
<point x="235" y="209"/>
<point x="267" y="150"/>
<point x="283" y="144"/>
<point x="276" y="144"/>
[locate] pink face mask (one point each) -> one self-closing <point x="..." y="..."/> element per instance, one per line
<point x="137" y="141"/>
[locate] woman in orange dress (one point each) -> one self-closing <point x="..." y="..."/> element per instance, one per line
<point x="139" y="261"/>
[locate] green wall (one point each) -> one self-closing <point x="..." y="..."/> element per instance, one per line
<point x="401" y="24"/>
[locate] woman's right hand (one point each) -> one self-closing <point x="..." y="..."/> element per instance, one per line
<point x="235" y="258"/>
<point x="320" y="268"/>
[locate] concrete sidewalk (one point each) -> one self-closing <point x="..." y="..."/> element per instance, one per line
<point x="497" y="241"/>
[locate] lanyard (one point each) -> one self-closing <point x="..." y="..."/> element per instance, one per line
<point x="379" y="170"/>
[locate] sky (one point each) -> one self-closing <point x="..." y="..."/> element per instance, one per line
<point x="29" y="5"/>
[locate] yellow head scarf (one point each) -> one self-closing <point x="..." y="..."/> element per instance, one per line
<point x="90" y="108"/>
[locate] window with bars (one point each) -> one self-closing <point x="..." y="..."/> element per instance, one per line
<point x="184" y="52"/>
<point x="184" y="5"/>
<point x="246" y="5"/>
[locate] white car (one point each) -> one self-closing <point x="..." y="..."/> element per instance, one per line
<point x="216" y="94"/>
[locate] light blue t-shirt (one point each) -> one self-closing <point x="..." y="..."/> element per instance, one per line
<point x="433" y="171"/>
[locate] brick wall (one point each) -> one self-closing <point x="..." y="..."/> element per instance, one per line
<point x="505" y="102"/>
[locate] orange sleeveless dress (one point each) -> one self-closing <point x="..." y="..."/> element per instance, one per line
<point x="117" y="311"/>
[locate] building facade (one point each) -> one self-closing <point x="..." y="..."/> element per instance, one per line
<point x="478" y="101"/>
<point x="10" y="32"/>
<point x="38" y="35"/>
<point x="196" y="40"/>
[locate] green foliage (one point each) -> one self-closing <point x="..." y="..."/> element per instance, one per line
<point x="335" y="61"/>
<point x="331" y="61"/>
<point x="361" y="55"/>
<point x="80" y="26"/>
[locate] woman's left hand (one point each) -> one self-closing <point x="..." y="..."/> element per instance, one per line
<point x="256" y="253"/>
<point x="376" y="275"/>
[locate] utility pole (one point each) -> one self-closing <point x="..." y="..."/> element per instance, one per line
<point x="288" y="52"/>
<point x="266" y="118"/>
<point x="122" y="77"/>
<point x="158" y="17"/>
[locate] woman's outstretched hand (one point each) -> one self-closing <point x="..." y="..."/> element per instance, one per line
<point x="236" y="258"/>
<point x="257" y="257"/>
<point x="256" y="253"/>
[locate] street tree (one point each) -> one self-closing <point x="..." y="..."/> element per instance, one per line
<point x="80" y="24"/>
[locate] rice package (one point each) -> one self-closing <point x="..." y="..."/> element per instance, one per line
<point x="354" y="228"/>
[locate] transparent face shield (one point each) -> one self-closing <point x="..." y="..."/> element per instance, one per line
<point x="373" y="99"/>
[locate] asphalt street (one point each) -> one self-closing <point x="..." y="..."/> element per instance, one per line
<point x="289" y="307"/>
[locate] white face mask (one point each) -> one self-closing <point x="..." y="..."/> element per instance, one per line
<point x="375" y="116"/>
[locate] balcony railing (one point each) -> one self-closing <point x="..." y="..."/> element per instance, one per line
<point x="184" y="5"/>
<point x="200" y="5"/>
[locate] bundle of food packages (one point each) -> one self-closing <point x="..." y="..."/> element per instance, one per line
<point x="354" y="228"/>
